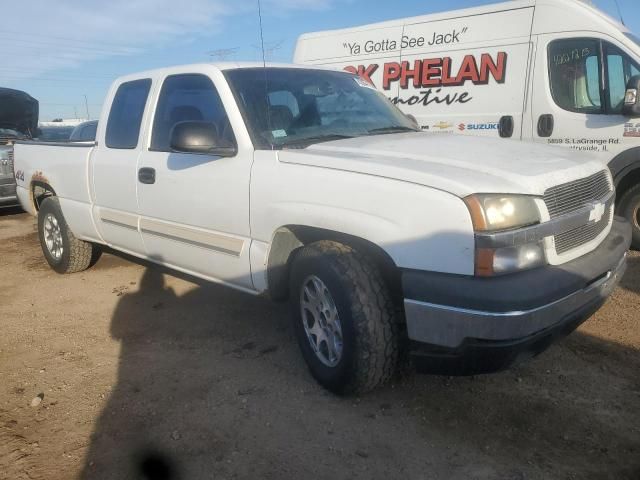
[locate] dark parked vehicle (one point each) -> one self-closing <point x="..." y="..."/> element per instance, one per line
<point x="52" y="133"/>
<point x="84" y="132"/>
<point x="18" y="121"/>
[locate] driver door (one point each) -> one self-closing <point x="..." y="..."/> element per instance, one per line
<point x="194" y="208"/>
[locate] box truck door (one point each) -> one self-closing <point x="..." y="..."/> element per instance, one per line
<point x="578" y="92"/>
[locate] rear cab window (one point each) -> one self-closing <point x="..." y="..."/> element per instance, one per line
<point x="89" y="132"/>
<point x="125" y="116"/>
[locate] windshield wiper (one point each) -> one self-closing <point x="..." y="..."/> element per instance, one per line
<point x="392" y="129"/>
<point x="301" y="142"/>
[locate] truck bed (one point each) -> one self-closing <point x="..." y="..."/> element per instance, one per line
<point x="65" y="165"/>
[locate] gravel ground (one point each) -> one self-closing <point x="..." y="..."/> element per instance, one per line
<point x="127" y="368"/>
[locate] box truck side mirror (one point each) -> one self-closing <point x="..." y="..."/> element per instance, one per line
<point x="631" y="106"/>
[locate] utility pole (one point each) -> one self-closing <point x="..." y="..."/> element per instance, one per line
<point x="86" y="104"/>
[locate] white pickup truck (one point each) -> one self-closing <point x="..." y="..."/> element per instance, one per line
<point x="310" y="185"/>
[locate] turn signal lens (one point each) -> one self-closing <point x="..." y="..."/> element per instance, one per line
<point x="498" y="261"/>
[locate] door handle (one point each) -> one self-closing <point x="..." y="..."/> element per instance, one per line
<point x="545" y="125"/>
<point x="147" y="175"/>
<point x="505" y="126"/>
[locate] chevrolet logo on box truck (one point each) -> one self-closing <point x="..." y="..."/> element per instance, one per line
<point x="550" y="71"/>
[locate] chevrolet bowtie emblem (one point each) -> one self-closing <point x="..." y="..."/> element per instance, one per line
<point x="597" y="212"/>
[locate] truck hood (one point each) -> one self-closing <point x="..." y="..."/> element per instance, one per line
<point x="457" y="164"/>
<point x="18" y="111"/>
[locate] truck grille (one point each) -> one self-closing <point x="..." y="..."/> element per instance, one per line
<point x="579" y="236"/>
<point x="572" y="196"/>
<point x="7" y="168"/>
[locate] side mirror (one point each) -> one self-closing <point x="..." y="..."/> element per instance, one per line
<point x="631" y="107"/>
<point x="200" y="137"/>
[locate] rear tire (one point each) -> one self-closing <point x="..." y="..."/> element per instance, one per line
<point x="629" y="208"/>
<point x="365" y="354"/>
<point x="62" y="250"/>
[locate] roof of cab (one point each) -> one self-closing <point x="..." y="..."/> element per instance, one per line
<point x="222" y="66"/>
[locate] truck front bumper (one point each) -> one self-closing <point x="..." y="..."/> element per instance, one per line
<point x="467" y="325"/>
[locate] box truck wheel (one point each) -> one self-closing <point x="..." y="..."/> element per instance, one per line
<point x="344" y="318"/>
<point x="629" y="208"/>
<point x="62" y="250"/>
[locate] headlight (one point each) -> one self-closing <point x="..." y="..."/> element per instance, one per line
<point x="493" y="213"/>
<point x="490" y="212"/>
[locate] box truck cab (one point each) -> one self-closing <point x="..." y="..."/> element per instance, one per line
<point x="548" y="71"/>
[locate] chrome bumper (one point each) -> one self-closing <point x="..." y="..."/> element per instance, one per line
<point x="448" y="326"/>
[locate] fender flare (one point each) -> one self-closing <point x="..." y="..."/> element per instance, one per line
<point x="39" y="181"/>
<point x="624" y="163"/>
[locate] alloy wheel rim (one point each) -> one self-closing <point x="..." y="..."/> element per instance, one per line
<point x="321" y="321"/>
<point x="53" y="236"/>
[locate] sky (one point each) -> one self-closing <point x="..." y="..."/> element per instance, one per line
<point x="61" y="51"/>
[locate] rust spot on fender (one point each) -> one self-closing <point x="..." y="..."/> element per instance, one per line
<point x="39" y="177"/>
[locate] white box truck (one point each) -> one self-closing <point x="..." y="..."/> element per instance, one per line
<point x="551" y="71"/>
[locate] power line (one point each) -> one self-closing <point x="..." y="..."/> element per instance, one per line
<point x="56" y="79"/>
<point x="67" y="104"/>
<point x="13" y="71"/>
<point x="121" y="50"/>
<point x="70" y="39"/>
<point x="223" y="53"/>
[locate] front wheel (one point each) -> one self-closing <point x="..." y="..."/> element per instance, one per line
<point x="629" y="208"/>
<point x="344" y="318"/>
<point x="62" y="250"/>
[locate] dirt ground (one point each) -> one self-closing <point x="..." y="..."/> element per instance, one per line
<point x="136" y="369"/>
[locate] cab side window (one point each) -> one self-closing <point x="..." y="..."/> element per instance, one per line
<point x="620" y="68"/>
<point x="125" y="116"/>
<point x="188" y="97"/>
<point x="574" y="73"/>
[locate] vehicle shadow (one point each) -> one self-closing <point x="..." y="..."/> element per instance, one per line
<point x="631" y="279"/>
<point x="211" y="385"/>
<point x="10" y="211"/>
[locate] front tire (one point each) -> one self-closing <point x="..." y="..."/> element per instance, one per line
<point x="62" y="250"/>
<point x="629" y="208"/>
<point x="344" y="318"/>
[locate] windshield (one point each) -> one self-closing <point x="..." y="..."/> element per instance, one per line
<point x="633" y="38"/>
<point x="300" y="107"/>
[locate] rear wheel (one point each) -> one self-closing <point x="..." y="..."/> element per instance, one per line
<point x="62" y="250"/>
<point x="629" y="208"/>
<point x="344" y="318"/>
